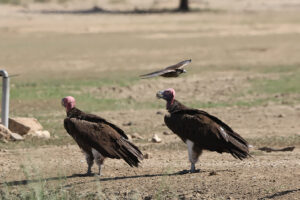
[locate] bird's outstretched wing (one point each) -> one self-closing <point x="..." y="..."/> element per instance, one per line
<point x="157" y="73"/>
<point x="180" y="64"/>
<point x="168" y="69"/>
<point x="104" y="139"/>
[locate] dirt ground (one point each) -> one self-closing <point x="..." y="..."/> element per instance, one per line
<point x="234" y="49"/>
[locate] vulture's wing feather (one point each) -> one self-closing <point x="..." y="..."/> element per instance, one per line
<point x="104" y="139"/>
<point x="207" y="131"/>
<point x="156" y="73"/>
<point x="224" y="126"/>
<point x="180" y="64"/>
<point x="97" y="119"/>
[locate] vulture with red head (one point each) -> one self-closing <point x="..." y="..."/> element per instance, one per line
<point x="98" y="138"/>
<point x="201" y="131"/>
<point x="171" y="71"/>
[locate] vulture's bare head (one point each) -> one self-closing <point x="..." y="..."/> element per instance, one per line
<point x="68" y="102"/>
<point x="168" y="95"/>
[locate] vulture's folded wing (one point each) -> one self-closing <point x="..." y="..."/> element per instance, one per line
<point x="97" y="119"/>
<point x="208" y="131"/>
<point x="104" y="139"/>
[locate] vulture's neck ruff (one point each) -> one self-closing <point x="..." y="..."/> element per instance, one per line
<point x="73" y="112"/>
<point x="170" y="103"/>
<point x="175" y="106"/>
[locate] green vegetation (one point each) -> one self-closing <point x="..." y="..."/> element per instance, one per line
<point x="285" y="84"/>
<point x="10" y="1"/>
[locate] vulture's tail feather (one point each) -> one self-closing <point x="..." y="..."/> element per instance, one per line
<point x="238" y="146"/>
<point x="129" y="152"/>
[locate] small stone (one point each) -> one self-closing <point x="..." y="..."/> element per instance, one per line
<point x="212" y="173"/>
<point x="159" y="113"/>
<point x="127" y="124"/>
<point x="166" y="133"/>
<point x="16" y="137"/>
<point x="146" y="155"/>
<point x="156" y="139"/>
<point x="280" y="116"/>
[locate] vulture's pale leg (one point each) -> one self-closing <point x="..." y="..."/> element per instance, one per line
<point x="99" y="159"/>
<point x="193" y="155"/>
<point x="90" y="161"/>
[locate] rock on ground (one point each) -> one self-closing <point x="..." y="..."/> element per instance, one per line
<point x="156" y="139"/>
<point x="6" y="134"/>
<point x="40" y="134"/>
<point x="28" y="126"/>
<point x="16" y="137"/>
<point x="24" y="125"/>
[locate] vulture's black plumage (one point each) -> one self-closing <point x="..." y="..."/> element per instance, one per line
<point x="201" y="131"/>
<point x="171" y="71"/>
<point x="98" y="138"/>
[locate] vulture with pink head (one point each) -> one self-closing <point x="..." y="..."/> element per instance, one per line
<point x="98" y="138"/>
<point x="201" y="131"/>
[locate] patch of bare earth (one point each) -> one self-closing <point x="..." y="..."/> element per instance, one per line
<point x="266" y="175"/>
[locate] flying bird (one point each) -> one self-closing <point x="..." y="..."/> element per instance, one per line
<point x="201" y="131"/>
<point x="98" y="138"/>
<point x="171" y="71"/>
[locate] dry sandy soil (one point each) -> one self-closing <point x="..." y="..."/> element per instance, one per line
<point x="240" y="50"/>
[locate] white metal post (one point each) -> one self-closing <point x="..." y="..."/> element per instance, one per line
<point x="5" y="97"/>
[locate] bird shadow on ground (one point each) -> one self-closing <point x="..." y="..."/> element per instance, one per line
<point x="25" y="182"/>
<point x="99" y="10"/>
<point x="278" y="194"/>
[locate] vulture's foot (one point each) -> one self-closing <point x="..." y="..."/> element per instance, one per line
<point x="194" y="171"/>
<point x="89" y="172"/>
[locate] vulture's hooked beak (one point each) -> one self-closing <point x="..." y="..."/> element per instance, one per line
<point x="63" y="102"/>
<point x="184" y="71"/>
<point x="160" y="94"/>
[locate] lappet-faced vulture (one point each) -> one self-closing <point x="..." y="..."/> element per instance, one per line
<point x="171" y="71"/>
<point x="98" y="138"/>
<point x="201" y="131"/>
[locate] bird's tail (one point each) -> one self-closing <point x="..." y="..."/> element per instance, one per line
<point x="129" y="152"/>
<point x="239" y="147"/>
